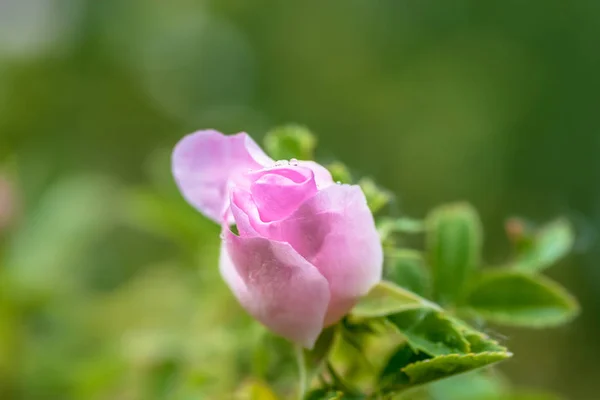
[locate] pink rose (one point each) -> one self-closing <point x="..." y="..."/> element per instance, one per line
<point x="306" y="248"/>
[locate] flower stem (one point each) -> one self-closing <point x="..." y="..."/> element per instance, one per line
<point x="302" y="373"/>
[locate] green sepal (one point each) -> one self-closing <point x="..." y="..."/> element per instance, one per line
<point x="454" y="240"/>
<point x="339" y="172"/>
<point x="377" y="198"/>
<point x="290" y="141"/>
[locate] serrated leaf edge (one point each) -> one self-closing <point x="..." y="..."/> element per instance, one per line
<point x="505" y="355"/>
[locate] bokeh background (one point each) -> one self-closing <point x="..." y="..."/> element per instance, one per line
<point x="109" y="285"/>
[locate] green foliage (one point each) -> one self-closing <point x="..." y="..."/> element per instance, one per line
<point x="432" y="99"/>
<point x="407" y="269"/>
<point x="545" y="247"/>
<point x="326" y="394"/>
<point x="454" y="240"/>
<point x="255" y="390"/>
<point x="516" y="298"/>
<point x="436" y="345"/>
<point x="392" y="375"/>
<point x="430" y="331"/>
<point x="444" y="366"/>
<point x="339" y="172"/>
<point x="396" y="342"/>
<point x="387" y="298"/>
<point x="407" y="368"/>
<point x="480" y="342"/>
<point x="476" y="385"/>
<point x="290" y="141"/>
<point x="73" y="215"/>
<point x="377" y="198"/>
<point x="311" y="361"/>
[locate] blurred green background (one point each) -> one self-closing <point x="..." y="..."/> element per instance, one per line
<point x="109" y="282"/>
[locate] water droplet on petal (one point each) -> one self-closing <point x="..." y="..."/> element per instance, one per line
<point x="222" y="235"/>
<point x="338" y="182"/>
<point x="294" y="162"/>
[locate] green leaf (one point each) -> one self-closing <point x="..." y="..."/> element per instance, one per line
<point x="377" y="198"/>
<point x="328" y="394"/>
<point x="407" y="269"/>
<point x="445" y="366"/>
<point x="290" y="141"/>
<point x="454" y="240"/>
<point x="430" y="331"/>
<point x="339" y="172"/>
<point x="480" y="343"/>
<point x="161" y="215"/>
<point x="162" y="378"/>
<point x="526" y="395"/>
<point x="273" y="358"/>
<point x="392" y="373"/>
<point x="519" y="299"/>
<point x="550" y="244"/>
<point x="475" y="385"/>
<point x="324" y="394"/>
<point x="387" y="298"/>
<point x="386" y="226"/>
<point x="53" y="240"/>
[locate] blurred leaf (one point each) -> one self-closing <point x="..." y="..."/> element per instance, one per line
<point x="162" y="378"/>
<point x="400" y="225"/>
<point x="255" y="390"/>
<point x="387" y="298"/>
<point x="516" y="298"/>
<point x="328" y="394"/>
<point x="445" y="366"/>
<point x="157" y="168"/>
<point x="167" y="217"/>
<point x="476" y="385"/>
<point x="339" y="172"/>
<point x="429" y="331"/>
<point x="454" y="240"/>
<point x="290" y="141"/>
<point x="551" y="243"/>
<point x="273" y="359"/>
<point x="526" y="395"/>
<point x="407" y="269"/>
<point x="377" y="198"/>
<point x="71" y="216"/>
<point x="97" y="375"/>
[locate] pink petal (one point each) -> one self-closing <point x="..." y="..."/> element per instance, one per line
<point x="277" y="192"/>
<point x="322" y="175"/>
<point x="276" y="286"/>
<point x="336" y="233"/>
<point x="205" y="161"/>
